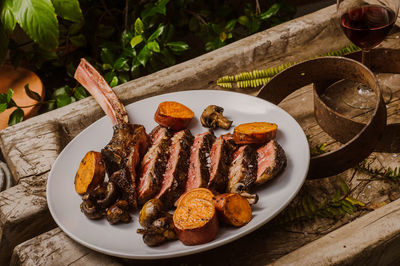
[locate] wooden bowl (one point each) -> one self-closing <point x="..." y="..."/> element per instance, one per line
<point x="16" y="80"/>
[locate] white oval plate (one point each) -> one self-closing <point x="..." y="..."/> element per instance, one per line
<point x="122" y="240"/>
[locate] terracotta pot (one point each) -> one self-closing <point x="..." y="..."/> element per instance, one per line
<point x="16" y="80"/>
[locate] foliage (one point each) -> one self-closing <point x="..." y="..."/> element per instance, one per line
<point x="307" y="207"/>
<point x="388" y="174"/>
<point x="122" y="39"/>
<point x="261" y="77"/>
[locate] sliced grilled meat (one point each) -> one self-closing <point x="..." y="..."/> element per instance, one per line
<point x="271" y="160"/>
<point x="153" y="164"/>
<point x="243" y="169"/>
<point x="199" y="162"/>
<point x="174" y="178"/>
<point x="220" y="158"/>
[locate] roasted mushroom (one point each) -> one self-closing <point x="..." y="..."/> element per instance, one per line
<point x="212" y="117"/>
<point x="160" y="231"/>
<point x="105" y="194"/>
<point x="118" y="213"/>
<point x="239" y="188"/>
<point x="151" y="210"/>
<point x="90" y="208"/>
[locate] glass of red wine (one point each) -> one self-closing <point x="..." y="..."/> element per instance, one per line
<point x="366" y="24"/>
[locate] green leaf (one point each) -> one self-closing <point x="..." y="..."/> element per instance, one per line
<point x="3" y="44"/>
<point x="354" y="201"/>
<point x="32" y="94"/>
<point x="337" y="195"/>
<point x="157" y="33"/>
<point x="136" y="40"/>
<point x="169" y="58"/>
<point x="68" y="9"/>
<point x="231" y="25"/>
<point x="114" y="82"/>
<point x="223" y="36"/>
<point x="270" y="12"/>
<point x="159" y="8"/>
<point x="38" y="19"/>
<point x="139" y="26"/>
<point x="144" y="56"/>
<point x="126" y="37"/>
<point x="109" y="76"/>
<point x="243" y="20"/>
<point x="63" y="100"/>
<point x="123" y="77"/>
<point x="344" y="186"/>
<point x="10" y="94"/>
<point x="7" y="17"/>
<point x="154" y="46"/>
<point x="80" y="93"/>
<point x="62" y="91"/>
<point x="107" y="56"/>
<point x="16" y="117"/>
<point x="121" y="63"/>
<point x="178" y="46"/>
<point x="3" y="107"/>
<point x="78" y="40"/>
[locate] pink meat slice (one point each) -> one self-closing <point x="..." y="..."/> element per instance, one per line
<point x="175" y="176"/>
<point x="220" y="158"/>
<point x="271" y="160"/>
<point x="153" y="165"/>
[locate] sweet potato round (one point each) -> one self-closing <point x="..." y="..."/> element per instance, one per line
<point x="254" y="133"/>
<point x="196" y="221"/>
<point x="198" y="193"/>
<point x="173" y="115"/>
<point x="233" y="209"/>
<point x="91" y="172"/>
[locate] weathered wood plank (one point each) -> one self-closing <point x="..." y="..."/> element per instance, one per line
<point x="372" y="239"/>
<point x="51" y="251"/>
<point x="23" y="214"/>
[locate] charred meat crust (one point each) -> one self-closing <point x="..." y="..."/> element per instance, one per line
<point x="168" y="195"/>
<point x="122" y="179"/>
<point x="243" y="170"/>
<point x="125" y="138"/>
<point x="153" y="164"/>
<point x="221" y="158"/>
<point x="278" y="162"/>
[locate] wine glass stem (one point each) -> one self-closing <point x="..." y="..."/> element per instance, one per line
<point x="365" y="57"/>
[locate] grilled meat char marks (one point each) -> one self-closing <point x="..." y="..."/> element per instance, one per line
<point x="153" y="164"/>
<point x="199" y="162"/>
<point x="175" y="176"/>
<point x="220" y="158"/>
<point x="243" y="170"/>
<point x="271" y="160"/>
<point x="123" y="154"/>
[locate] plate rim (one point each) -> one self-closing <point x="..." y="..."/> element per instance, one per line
<point x="196" y="249"/>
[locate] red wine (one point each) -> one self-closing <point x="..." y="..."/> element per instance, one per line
<point x="368" y="25"/>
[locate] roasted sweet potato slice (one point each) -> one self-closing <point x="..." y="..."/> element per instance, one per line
<point x="254" y="133"/>
<point x="198" y="193"/>
<point x="91" y="172"/>
<point x="195" y="219"/>
<point x="173" y="115"/>
<point x="233" y="209"/>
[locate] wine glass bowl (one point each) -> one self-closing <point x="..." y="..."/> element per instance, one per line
<point x="366" y="24"/>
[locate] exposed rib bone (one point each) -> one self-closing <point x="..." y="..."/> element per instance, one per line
<point x="88" y="76"/>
